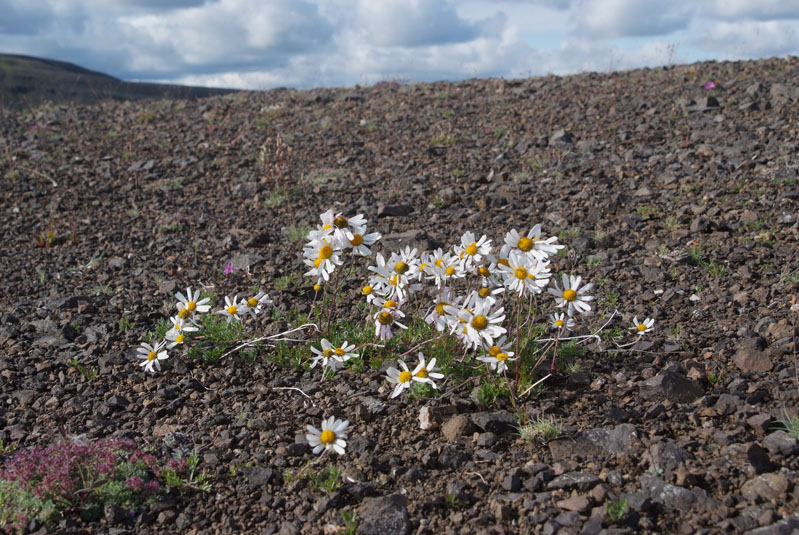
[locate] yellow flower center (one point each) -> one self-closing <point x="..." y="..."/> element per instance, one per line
<point x="325" y="252"/>
<point x="366" y="290"/>
<point x="484" y="292"/>
<point x="439" y="262"/>
<point x="521" y="273"/>
<point x="503" y="262"/>
<point x="404" y="377"/>
<point x="191" y="305"/>
<point x="450" y="271"/>
<point x="483" y="271"/>
<point x="569" y="295"/>
<point x="494" y="351"/>
<point x="401" y="267"/>
<point x="356" y="240"/>
<point x="559" y="323"/>
<point x="385" y="318"/>
<point x="390" y="304"/>
<point x="327" y="352"/>
<point x="179" y="339"/>
<point x="641" y="327"/>
<point x="177" y="326"/>
<point x="422" y="373"/>
<point x="252" y="302"/>
<point x="341" y="222"/>
<point x="340" y="352"/>
<point x="232" y="309"/>
<point x="326" y="226"/>
<point x="318" y="261"/>
<point x="317" y="287"/>
<point x="394" y="280"/>
<point x="525" y="244"/>
<point x="479" y="323"/>
<point x="327" y="437"/>
<point x="184" y="313"/>
<point x="531" y="276"/>
<point x="502" y="356"/>
<point x="422" y="266"/>
<point x="440" y="308"/>
<point x="471" y="250"/>
<point x="151" y="355"/>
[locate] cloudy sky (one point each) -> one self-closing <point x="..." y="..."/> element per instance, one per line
<point x="259" y="44"/>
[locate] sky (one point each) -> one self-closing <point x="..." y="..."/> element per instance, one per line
<point x="262" y="44"/>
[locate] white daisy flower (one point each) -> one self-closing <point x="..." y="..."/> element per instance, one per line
<point x="445" y="269"/>
<point x="344" y="229"/>
<point x="233" y="309"/>
<point x="561" y="320"/>
<point x="425" y="373"/>
<point x="151" y="356"/>
<point x="190" y="305"/>
<point x="328" y="357"/>
<point x="525" y="275"/>
<point x="478" y="325"/>
<point x="360" y="243"/>
<point x="438" y="316"/>
<point x="387" y="318"/>
<point x="331" y="437"/>
<point x="572" y="296"/>
<point x="471" y="251"/>
<point x="498" y="355"/>
<point x="484" y="295"/>
<point x="179" y="327"/>
<point x="532" y="244"/>
<point x="402" y="379"/>
<point x="322" y="257"/>
<point x="643" y="327"/>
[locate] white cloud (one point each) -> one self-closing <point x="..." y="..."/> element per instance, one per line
<point x="759" y="10"/>
<point x="625" y="18"/>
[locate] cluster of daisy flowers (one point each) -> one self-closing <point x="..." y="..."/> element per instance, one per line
<point x="190" y="310"/>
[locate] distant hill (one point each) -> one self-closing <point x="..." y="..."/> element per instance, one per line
<point x="27" y="81"/>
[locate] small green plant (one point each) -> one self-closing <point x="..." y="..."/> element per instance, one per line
<point x="443" y="95"/>
<point x="42" y="274"/>
<point x="442" y="141"/>
<point x="715" y="269"/>
<point x="790" y="423"/>
<point x="87" y="373"/>
<point x="458" y="173"/>
<point x="437" y="201"/>
<point x="296" y="233"/>
<point x="171" y="228"/>
<point x="617" y="510"/>
<point x="102" y="290"/>
<point x="125" y="324"/>
<point x="500" y="131"/>
<point x="182" y="473"/>
<point x="593" y="261"/>
<point x="327" y="479"/>
<point x="275" y="198"/>
<point x="542" y="429"/>
<point x="611" y="298"/>
<point x="47" y="238"/>
<point x="490" y="389"/>
<point x="6" y="448"/>
<point x="218" y="337"/>
<point x="350" y="519"/>
<point x="792" y="278"/>
<point x="648" y="212"/>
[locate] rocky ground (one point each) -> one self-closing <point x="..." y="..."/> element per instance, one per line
<point x="678" y="202"/>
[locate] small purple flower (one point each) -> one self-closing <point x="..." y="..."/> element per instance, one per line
<point x="710" y="84"/>
<point x="229" y="269"/>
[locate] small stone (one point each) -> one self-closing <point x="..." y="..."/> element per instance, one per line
<point x="671" y="386"/>
<point x="727" y="404"/>
<point x="760" y="423"/>
<point x="512" y="482"/>
<point x="766" y="487"/>
<point x="457" y="426"/>
<point x="387" y="515"/>
<point x="758" y="458"/>
<point x="752" y="360"/>
<point x="573" y="480"/>
<point x="781" y="443"/>
<point x="494" y="422"/>
<point x="575" y="503"/>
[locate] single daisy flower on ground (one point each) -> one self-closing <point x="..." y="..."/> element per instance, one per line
<point x="524" y="274"/>
<point x="256" y="303"/>
<point x="328" y="356"/>
<point x="331" y="437"/>
<point x="498" y="355"/>
<point x="190" y="305"/>
<point x="561" y="320"/>
<point x="643" y="327"/>
<point x="151" y="356"/>
<point x="322" y="258"/>
<point x="233" y="309"/>
<point x="425" y="373"/>
<point x="385" y="319"/>
<point x="532" y="244"/>
<point x="572" y="296"/>
<point x="471" y="251"/>
<point x="400" y="378"/>
<point x="360" y="243"/>
<point x="478" y="325"/>
<point x="179" y="327"/>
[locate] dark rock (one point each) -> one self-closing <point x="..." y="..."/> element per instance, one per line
<point x="573" y="480"/>
<point x="561" y="137"/>
<point x="727" y="404"/>
<point x="494" y="422"/>
<point x="760" y="423"/>
<point x="117" y="403"/>
<point x="452" y="457"/>
<point x="257" y="476"/>
<point x="668" y="455"/>
<point x="766" y="487"/>
<point x="394" y="210"/>
<point x="114" y="514"/>
<point x="671" y="386"/>
<point x="679" y="498"/>
<point x="758" y="458"/>
<point x="602" y="441"/>
<point x="386" y="515"/>
<point x="752" y="360"/>
<point x="781" y="443"/>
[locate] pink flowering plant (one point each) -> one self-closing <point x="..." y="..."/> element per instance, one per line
<point x="74" y="477"/>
